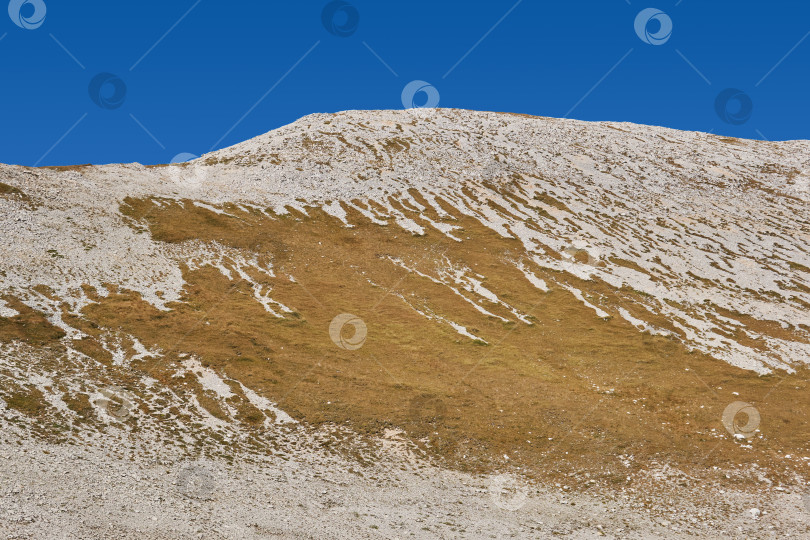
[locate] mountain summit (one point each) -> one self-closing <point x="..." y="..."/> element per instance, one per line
<point x="485" y="292"/>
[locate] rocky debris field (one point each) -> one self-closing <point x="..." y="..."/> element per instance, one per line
<point x="420" y="323"/>
<point x="106" y="489"/>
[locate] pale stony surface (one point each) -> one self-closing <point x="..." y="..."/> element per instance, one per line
<point x="106" y="488"/>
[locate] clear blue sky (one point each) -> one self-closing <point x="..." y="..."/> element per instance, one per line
<point x="183" y="73"/>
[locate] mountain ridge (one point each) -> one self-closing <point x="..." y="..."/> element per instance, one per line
<point x="211" y="178"/>
<point x="486" y="292"/>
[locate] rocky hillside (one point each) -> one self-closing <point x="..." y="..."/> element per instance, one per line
<point x="591" y="302"/>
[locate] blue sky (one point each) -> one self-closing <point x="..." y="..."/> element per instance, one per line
<point x="100" y="82"/>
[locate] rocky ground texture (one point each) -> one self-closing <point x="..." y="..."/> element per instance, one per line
<point x="420" y="323"/>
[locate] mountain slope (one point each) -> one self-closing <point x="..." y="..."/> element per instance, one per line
<point x="576" y="300"/>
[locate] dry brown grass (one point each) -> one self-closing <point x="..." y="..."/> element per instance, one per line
<point x="63" y="168"/>
<point x="14" y="193"/>
<point x="566" y="395"/>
